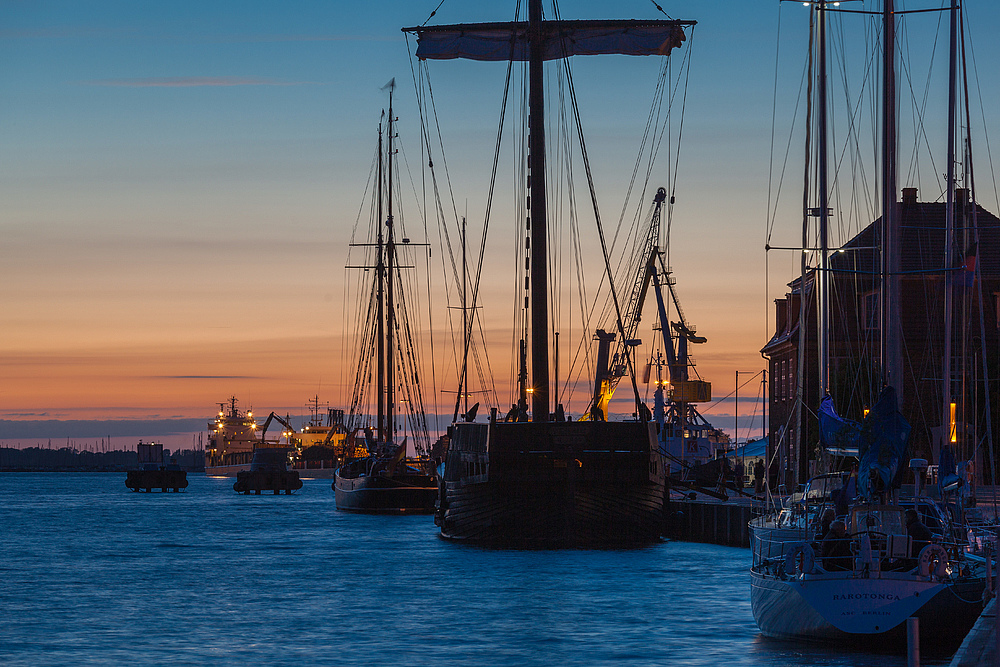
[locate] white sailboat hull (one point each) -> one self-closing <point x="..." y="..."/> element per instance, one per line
<point x="829" y="607"/>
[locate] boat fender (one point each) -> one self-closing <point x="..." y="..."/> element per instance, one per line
<point x="801" y="558"/>
<point x="933" y="559"/>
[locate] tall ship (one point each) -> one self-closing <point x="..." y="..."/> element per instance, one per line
<point x="232" y="438"/>
<point x="858" y="554"/>
<point x="533" y="477"/>
<point x="380" y="477"/>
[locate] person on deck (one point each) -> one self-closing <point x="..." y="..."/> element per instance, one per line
<point x="918" y="532"/>
<point x="829" y="514"/>
<point x="836" y="550"/>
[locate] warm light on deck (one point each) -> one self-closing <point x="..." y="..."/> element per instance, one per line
<point x="953" y="430"/>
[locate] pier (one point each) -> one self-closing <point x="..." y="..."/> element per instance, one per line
<point x="724" y="522"/>
<point x="980" y="645"/>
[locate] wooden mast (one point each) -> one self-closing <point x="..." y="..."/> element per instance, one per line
<point x="537" y="221"/>
<point x="892" y="369"/>
<point x="823" y="293"/>
<point x="390" y="315"/>
<point x="535" y="42"/>
<point x="947" y="433"/>
<point x="380" y="307"/>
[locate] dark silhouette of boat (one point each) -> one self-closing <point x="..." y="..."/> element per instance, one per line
<point x="152" y="473"/>
<point x="268" y="472"/>
<point x="387" y="485"/>
<point x="550" y="481"/>
<point x="381" y="479"/>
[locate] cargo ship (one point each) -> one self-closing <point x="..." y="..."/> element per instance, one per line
<point x="232" y="436"/>
<point x="321" y="443"/>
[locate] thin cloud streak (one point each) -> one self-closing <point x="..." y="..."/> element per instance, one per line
<point x="205" y="377"/>
<point x="195" y="81"/>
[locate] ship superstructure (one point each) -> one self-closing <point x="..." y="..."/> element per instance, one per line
<point x="232" y="437"/>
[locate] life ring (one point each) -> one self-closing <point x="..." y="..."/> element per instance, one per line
<point x="801" y="558"/>
<point x="933" y="558"/>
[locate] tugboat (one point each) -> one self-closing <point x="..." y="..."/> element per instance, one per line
<point x="268" y="472"/>
<point x="152" y="474"/>
<point x="385" y="480"/>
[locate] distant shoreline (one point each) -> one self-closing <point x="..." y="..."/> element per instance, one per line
<point x="84" y="469"/>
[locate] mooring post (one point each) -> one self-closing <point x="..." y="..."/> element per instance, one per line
<point x="913" y="642"/>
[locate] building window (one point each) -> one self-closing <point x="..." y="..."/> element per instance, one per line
<point x="784" y="387"/>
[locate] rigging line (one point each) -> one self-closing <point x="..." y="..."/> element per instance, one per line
<point x="440" y="209"/>
<point x="576" y="251"/>
<point x="768" y="223"/>
<point x="970" y="170"/>
<point x="660" y="9"/>
<point x="425" y="150"/>
<point x="854" y="140"/>
<point x="364" y="197"/>
<point x="433" y="13"/>
<point x="467" y="333"/>
<point x="919" y="127"/>
<point x="518" y="331"/>
<point x="653" y="138"/>
<point x="600" y="233"/>
<point x="357" y="220"/>
<point x="685" y="67"/>
<point x="363" y="325"/>
<point x="430" y="161"/>
<point x="680" y="132"/>
<point x="655" y="106"/>
<point x="982" y="110"/>
<point x="773" y="214"/>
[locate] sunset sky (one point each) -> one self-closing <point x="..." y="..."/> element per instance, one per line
<point x="179" y="182"/>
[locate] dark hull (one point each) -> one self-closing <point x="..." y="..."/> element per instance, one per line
<point x="147" y="480"/>
<point x="385" y="494"/>
<point x="561" y="484"/>
<point x="275" y="481"/>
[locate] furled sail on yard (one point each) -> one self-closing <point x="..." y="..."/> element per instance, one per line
<point x="510" y="41"/>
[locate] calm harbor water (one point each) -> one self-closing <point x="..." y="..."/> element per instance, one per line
<point x="91" y="573"/>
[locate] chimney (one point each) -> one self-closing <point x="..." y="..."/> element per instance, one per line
<point x="961" y="198"/>
<point x="909" y="196"/>
<point x="781" y="316"/>
<point x="792" y="302"/>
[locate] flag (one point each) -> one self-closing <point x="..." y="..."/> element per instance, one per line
<point x="969" y="274"/>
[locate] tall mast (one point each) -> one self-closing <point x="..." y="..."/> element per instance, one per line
<point x="795" y="448"/>
<point x="890" y="312"/>
<point x="390" y="315"/>
<point x="949" y="233"/>
<point x="823" y="291"/>
<point x="535" y="41"/>
<point x="380" y="307"/>
<point x="537" y="223"/>
<point x="464" y="387"/>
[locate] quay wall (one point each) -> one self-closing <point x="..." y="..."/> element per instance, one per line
<point x="710" y="521"/>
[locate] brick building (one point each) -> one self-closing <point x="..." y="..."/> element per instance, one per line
<point x="855" y="368"/>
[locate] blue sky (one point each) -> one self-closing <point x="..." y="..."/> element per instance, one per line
<point x="180" y="179"/>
